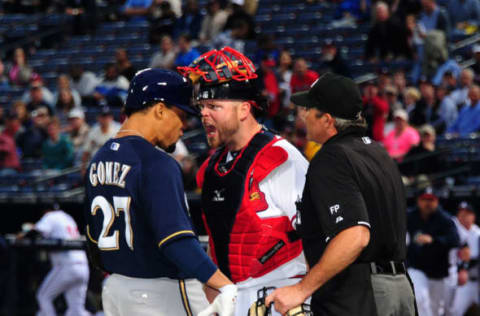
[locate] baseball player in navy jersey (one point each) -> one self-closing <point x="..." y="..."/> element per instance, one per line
<point x="138" y="226"/>
<point x="69" y="273"/>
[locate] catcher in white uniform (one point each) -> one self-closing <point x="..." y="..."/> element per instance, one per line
<point x="467" y="291"/>
<point x="69" y="273"/>
<point x="250" y="184"/>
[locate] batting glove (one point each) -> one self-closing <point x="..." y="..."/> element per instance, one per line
<point x="224" y="303"/>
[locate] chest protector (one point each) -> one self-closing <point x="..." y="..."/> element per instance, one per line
<point x="244" y="245"/>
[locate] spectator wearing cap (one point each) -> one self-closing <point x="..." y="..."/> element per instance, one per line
<point x="186" y="53"/>
<point x="30" y="142"/>
<point x="165" y="58"/>
<point x="467" y="259"/>
<point x="38" y="95"/>
<point x="422" y="159"/>
<point x="302" y="77"/>
<point x="77" y="129"/>
<point x="375" y="111"/>
<point x="464" y="15"/>
<point x="213" y="22"/>
<point x="432" y="235"/>
<point x="468" y="120"/>
<point x="57" y="150"/>
<point x="476" y="56"/>
<point x="402" y="138"/>
<point x="333" y="61"/>
<point x="460" y="95"/>
<point x="9" y="161"/>
<point x="98" y="135"/>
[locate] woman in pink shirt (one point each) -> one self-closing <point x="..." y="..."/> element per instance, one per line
<point x="399" y="141"/>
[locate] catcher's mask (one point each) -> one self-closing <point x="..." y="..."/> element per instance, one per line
<point x="225" y="74"/>
<point x="258" y="308"/>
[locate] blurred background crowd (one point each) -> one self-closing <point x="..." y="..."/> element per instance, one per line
<point x="65" y="68"/>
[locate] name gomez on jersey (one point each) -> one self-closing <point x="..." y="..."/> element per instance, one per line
<point x="135" y="205"/>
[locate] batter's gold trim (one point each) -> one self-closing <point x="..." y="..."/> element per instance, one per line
<point x="164" y="240"/>
<point x="183" y="292"/>
<point x="90" y="236"/>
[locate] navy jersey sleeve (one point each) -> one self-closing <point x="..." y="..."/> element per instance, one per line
<point x="336" y="197"/>
<point x="164" y="202"/>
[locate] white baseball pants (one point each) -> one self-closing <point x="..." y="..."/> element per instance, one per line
<point x="68" y="278"/>
<point x="125" y="296"/>
<point x="432" y="295"/>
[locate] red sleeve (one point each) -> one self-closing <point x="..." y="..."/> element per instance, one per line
<point x="381" y="105"/>
<point x="312" y="76"/>
<point x="201" y="173"/>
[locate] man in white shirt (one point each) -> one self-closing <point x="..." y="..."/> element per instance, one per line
<point x="99" y="134"/>
<point x="467" y="256"/>
<point x="69" y="273"/>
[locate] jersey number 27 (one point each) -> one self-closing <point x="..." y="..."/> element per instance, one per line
<point x="120" y="204"/>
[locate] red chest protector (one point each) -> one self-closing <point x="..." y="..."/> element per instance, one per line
<point x="244" y="245"/>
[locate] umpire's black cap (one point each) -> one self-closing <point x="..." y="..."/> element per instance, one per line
<point x="334" y="94"/>
<point x="160" y="85"/>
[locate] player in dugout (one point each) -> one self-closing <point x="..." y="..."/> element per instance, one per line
<point x="250" y="184"/>
<point x="138" y="225"/>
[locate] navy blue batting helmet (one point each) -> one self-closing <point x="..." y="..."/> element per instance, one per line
<point x="160" y="85"/>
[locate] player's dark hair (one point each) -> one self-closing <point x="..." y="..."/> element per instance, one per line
<point x="129" y="111"/>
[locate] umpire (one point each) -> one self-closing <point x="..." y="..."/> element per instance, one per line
<point x="352" y="217"/>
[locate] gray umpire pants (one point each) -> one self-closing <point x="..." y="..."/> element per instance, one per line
<point x="393" y="295"/>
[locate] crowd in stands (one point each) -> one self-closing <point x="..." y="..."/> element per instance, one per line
<point x="405" y="109"/>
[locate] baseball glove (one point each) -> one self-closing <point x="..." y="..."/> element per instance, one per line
<point x="258" y="308"/>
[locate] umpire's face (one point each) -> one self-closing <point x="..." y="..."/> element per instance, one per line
<point x="316" y="122"/>
<point x="221" y="120"/>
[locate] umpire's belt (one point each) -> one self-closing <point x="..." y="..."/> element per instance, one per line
<point x="389" y="267"/>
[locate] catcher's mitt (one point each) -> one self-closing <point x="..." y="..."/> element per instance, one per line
<point x="258" y="308"/>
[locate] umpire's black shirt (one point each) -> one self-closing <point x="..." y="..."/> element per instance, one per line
<point x="352" y="181"/>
